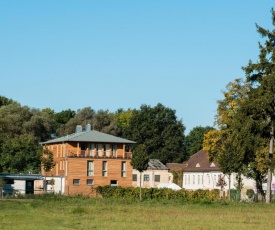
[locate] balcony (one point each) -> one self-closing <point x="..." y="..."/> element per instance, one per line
<point x="97" y="154"/>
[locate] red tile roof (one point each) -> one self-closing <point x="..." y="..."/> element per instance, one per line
<point x="199" y="163"/>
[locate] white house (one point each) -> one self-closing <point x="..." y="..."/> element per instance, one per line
<point x="200" y="173"/>
<point x="156" y="173"/>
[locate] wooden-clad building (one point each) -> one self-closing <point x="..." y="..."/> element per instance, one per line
<point x="88" y="159"/>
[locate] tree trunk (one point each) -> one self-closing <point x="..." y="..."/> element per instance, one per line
<point x="140" y="186"/>
<point x="269" y="174"/>
<point x="229" y="186"/>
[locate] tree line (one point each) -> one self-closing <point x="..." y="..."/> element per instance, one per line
<point x="157" y="129"/>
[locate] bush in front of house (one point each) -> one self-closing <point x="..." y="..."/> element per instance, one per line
<point x="250" y="193"/>
<point x="157" y="194"/>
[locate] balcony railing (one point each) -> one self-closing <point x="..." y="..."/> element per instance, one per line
<point x="98" y="154"/>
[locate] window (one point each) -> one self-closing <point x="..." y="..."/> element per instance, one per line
<point x="185" y="179"/>
<point x="83" y="146"/>
<point x="146" y="177"/>
<point x="188" y="179"/>
<point x="193" y="179"/>
<point x="99" y="149"/>
<point x="198" y="165"/>
<point x="90" y="168"/>
<point x="114" y="149"/>
<point x="198" y="179"/>
<point x="104" y="168"/>
<point x="9" y="181"/>
<point x="90" y="182"/>
<point x="208" y="177"/>
<point x="134" y="177"/>
<point x="76" y="181"/>
<point x="123" y="169"/>
<point x="157" y="178"/>
<point x="113" y="183"/>
<point x="212" y="164"/>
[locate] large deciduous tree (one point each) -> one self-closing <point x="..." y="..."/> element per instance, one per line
<point x="220" y="144"/>
<point x="20" y="154"/>
<point x="160" y="131"/>
<point x="21" y="130"/>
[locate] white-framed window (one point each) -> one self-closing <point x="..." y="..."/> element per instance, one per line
<point x="76" y="181"/>
<point x="104" y="168"/>
<point x="198" y="179"/>
<point x="193" y="179"/>
<point x="185" y="179"/>
<point x="123" y="169"/>
<point x="90" y="168"/>
<point x="188" y="179"/>
<point x="146" y="177"/>
<point x="90" y="182"/>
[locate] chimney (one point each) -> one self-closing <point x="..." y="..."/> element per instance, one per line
<point x="78" y="129"/>
<point x="88" y="128"/>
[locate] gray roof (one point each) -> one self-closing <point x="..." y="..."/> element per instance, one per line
<point x="90" y="136"/>
<point x="156" y="165"/>
<point x="22" y="176"/>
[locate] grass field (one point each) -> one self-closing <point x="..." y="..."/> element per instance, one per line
<point x="58" y="212"/>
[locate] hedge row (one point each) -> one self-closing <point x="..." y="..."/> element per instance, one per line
<point x="155" y="193"/>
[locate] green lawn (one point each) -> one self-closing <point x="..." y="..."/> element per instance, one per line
<point x="87" y="213"/>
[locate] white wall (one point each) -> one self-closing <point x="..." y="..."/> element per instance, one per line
<point x="165" y="177"/>
<point x="208" y="181"/>
<point x="59" y="184"/>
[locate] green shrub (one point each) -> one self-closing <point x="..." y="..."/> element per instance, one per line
<point x="157" y="194"/>
<point x="250" y="193"/>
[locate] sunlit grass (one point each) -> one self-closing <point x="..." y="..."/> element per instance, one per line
<point x="85" y="213"/>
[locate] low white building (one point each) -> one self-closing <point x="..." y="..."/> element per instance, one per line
<point x="200" y="173"/>
<point x="156" y="173"/>
<point x="21" y="184"/>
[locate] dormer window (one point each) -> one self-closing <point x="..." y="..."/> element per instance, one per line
<point x="198" y="165"/>
<point x="212" y="164"/>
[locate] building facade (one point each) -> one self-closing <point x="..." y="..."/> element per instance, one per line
<point x="156" y="173"/>
<point x="200" y="173"/>
<point x="85" y="160"/>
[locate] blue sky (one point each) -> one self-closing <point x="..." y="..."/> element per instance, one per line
<point x="122" y="54"/>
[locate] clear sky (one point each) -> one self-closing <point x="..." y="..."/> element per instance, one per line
<point x="124" y="53"/>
